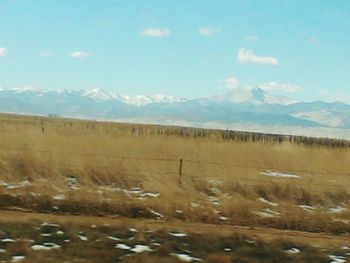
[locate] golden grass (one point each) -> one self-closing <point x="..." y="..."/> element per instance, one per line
<point x="101" y="157"/>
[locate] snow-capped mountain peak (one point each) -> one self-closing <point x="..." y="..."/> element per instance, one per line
<point x="141" y="100"/>
<point x="240" y="106"/>
<point x="100" y="94"/>
<point x="255" y="96"/>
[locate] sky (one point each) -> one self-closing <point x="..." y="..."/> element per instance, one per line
<point x="187" y="48"/>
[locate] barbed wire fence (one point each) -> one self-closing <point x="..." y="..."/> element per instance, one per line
<point x="182" y="163"/>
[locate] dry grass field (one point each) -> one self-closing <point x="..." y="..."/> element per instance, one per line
<point x="87" y="169"/>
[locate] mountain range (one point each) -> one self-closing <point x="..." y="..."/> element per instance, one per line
<point x="248" y="109"/>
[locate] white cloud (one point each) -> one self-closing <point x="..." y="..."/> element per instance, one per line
<point x="208" y="31"/>
<point x="3" y="51"/>
<point x="248" y="57"/>
<point x="230" y="82"/>
<point x="155" y="32"/>
<point x="45" y="54"/>
<point x="252" y="38"/>
<point x="78" y="54"/>
<point x="279" y="87"/>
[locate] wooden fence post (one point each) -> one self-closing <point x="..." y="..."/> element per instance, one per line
<point x="180" y="170"/>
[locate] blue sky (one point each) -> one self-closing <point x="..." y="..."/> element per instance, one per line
<point x="189" y="48"/>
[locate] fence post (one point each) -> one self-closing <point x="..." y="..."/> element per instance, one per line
<point x="180" y="170"/>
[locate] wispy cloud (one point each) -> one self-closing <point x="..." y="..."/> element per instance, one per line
<point x="332" y="96"/>
<point x="45" y="54"/>
<point x="208" y="31"/>
<point x="3" y="51"/>
<point x="248" y="57"/>
<point x="252" y="38"/>
<point x="231" y="82"/>
<point x="79" y="54"/>
<point x="280" y="87"/>
<point x="313" y="41"/>
<point x="155" y="32"/>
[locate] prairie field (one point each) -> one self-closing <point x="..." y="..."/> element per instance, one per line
<point x="251" y="190"/>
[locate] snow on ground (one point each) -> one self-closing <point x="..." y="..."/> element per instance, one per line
<point x="136" y="249"/>
<point x="134" y="192"/>
<point x="186" y="258"/>
<point x="263" y="200"/>
<point x="177" y="234"/>
<point x="276" y="174"/>
<point x="83" y="238"/>
<point x="156" y="214"/>
<point x="113" y="238"/>
<point x="140" y="249"/>
<point x="338" y="209"/>
<point x="11" y="186"/>
<point x="337" y="259"/>
<point x="122" y="246"/>
<point x="17" y="259"/>
<point x="59" y="197"/>
<point x="267" y="212"/>
<point x="293" y="250"/>
<point x="307" y="208"/>
<point x="46" y="246"/>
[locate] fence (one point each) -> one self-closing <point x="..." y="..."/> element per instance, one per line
<point x="162" y="130"/>
<point x="183" y="163"/>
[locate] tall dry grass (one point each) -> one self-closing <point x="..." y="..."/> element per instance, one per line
<point x="100" y="157"/>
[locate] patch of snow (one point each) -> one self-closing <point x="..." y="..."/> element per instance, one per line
<point x="194" y="205"/>
<point x="293" y="250"/>
<point x="276" y="174"/>
<point x="214" y="182"/>
<point x="267" y="212"/>
<point x="149" y="194"/>
<point x="83" y="238"/>
<point x="337" y="209"/>
<point x="227" y="249"/>
<point x="2" y="251"/>
<point x="45" y="234"/>
<point x="177" y="234"/>
<point x="263" y="200"/>
<point x="158" y="215"/>
<point x="122" y="246"/>
<point x="8" y="240"/>
<point x="17" y="259"/>
<point x="46" y="246"/>
<point x="185" y="258"/>
<point x="11" y="186"/>
<point x="71" y="181"/>
<point x="59" y="197"/>
<point x="113" y="238"/>
<point x="59" y="232"/>
<point x="214" y="200"/>
<point x="337" y="259"/>
<point x="133" y="230"/>
<point x="307" y="208"/>
<point x="140" y="249"/>
<point x="50" y="224"/>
